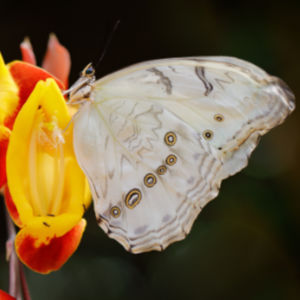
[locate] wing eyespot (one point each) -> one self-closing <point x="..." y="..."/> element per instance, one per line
<point x="115" y="211"/>
<point x="171" y="160"/>
<point x="219" y="117"/>
<point x="133" y="198"/>
<point x="161" y="170"/>
<point x="208" y="134"/>
<point x="149" y="180"/>
<point x="170" y="138"/>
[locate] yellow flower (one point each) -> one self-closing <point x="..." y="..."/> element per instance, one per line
<point x="9" y="101"/>
<point x="9" y="98"/>
<point x="46" y="192"/>
<point x="46" y="184"/>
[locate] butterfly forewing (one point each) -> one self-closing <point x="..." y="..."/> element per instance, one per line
<point x="157" y="138"/>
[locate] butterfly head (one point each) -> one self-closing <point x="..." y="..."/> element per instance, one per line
<point x="88" y="71"/>
<point x="80" y="91"/>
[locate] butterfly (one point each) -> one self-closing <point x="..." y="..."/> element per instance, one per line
<point x="156" y="139"/>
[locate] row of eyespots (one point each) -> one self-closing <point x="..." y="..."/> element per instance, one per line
<point x="150" y="179"/>
<point x="134" y="196"/>
<point x="208" y="134"/>
<point x="132" y="199"/>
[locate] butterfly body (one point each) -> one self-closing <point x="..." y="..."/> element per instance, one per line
<point x="156" y="139"/>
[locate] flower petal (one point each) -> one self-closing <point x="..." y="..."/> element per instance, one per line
<point x="27" y="76"/>
<point x="5" y="296"/>
<point x="11" y="207"/>
<point x="46" y="97"/>
<point x="3" y="149"/>
<point x="17" y="80"/>
<point x="50" y="255"/>
<point x="43" y="175"/>
<point x="9" y="99"/>
<point x="27" y="52"/>
<point x="9" y="102"/>
<point x="76" y="184"/>
<point x="57" y="60"/>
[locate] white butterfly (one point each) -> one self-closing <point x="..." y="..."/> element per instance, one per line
<point x="156" y="139"/>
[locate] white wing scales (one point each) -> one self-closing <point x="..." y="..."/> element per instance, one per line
<point x="117" y="154"/>
<point x="214" y="108"/>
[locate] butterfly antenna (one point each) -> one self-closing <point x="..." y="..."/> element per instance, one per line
<point x="108" y="42"/>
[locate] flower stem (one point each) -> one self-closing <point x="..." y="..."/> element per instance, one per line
<point x="26" y="294"/>
<point x="17" y="281"/>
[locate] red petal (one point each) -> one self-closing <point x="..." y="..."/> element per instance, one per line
<point x="5" y="296"/>
<point x="10" y="205"/>
<point x="51" y="256"/>
<point x="27" y="52"/>
<point x="26" y="77"/>
<point x="3" y="149"/>
<point x="57" y="60"/>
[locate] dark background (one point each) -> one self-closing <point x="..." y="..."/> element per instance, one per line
<point x="245" y="244"/>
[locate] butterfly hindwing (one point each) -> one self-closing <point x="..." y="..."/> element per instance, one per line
<point x="150" y="173"/>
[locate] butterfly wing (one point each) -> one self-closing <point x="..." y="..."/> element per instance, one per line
<point x="158" y="138"/>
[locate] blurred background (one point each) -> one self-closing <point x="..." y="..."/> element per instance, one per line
<point x="245" y="243"/>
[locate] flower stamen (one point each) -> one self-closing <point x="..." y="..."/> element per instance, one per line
<point x="58" y="182"/>
<point x="37" y="205"/>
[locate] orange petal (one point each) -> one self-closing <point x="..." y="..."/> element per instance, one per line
<point x="3" y="149"/>
<point x="27" y="52"/>
<point x="26" y="77"/>
<point x="11" y="207"/>
<point x="5" y="296"/>
<point x="57" y="60"/>
<point x="50" y="256"/>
